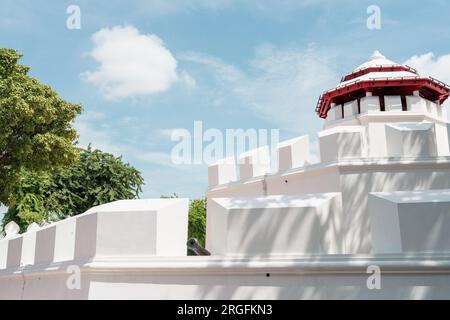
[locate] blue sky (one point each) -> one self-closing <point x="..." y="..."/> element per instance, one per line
<point x="230" y="64"/>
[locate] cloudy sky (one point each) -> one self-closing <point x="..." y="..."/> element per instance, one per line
<point x="142" y="68"/>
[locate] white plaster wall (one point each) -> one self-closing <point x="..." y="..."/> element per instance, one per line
<point x="416" y="104"/>
<point x="342" y="142"/>
<point x="393" y="103"/>
<point x="377" y="140"/>
<point x="128" y="229"/>
<point x="442" y="139"/>
<point x="410" y="221"/>
<point x="254" y="163"/>
<point x="222" y="172"/>
<point x="411" y="139"/>
<point x="370" y="104"/>
<point x="384" y="225"/>
<point x="275" y="225"/>
<point x="355" y="182"/>
<point x="351" y="109"/>
<point x="308" y="277"/>
<point x="293" y="153"/>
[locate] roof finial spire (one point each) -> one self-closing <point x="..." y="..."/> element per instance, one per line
<point x="376" y="55"/>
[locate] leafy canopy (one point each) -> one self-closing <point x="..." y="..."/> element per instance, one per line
<point x="36" y="130"/>
<point x="197" y="218"/>
<point x="97" y="178"/>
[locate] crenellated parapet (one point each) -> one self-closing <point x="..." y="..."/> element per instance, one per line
<point x="291" y="154"/>
<point x="384" y="148"/>
<point x="122" y="229"/>
<point x="374" y="135"/>
<point x="278" y="225"/>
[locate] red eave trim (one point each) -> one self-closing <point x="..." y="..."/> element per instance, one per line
<point x="326" y="98"/>
<point x="361" y="72"/>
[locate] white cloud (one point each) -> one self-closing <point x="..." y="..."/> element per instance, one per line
<point x="280" y="85"/>
<point x="429" y="65"/>
<point x="131" y="63"/>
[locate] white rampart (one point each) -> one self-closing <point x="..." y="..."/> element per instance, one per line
<point x="134" y="228"/>
<point x="254" y="163"/>
<point x="375" y="151"/>
<point x="302" y="269"/>
<point x="342" y="143"/>
<point x="379" y="197"/>
<point x="293" y="153"/>
<point x="275" y="225"/>
<point x="417" y="132"/>
<point x="410" y="221"/>
<point x="411" y="140"/>
<point x="222" y="172"/>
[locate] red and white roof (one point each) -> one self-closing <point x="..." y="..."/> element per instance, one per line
<point x="376" y="60"/>
<point x="381" y="76"/>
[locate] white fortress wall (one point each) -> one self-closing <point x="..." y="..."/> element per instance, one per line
<point x="379" y="198"/>
<point x="275" y="225"/>
<point x="407" y="150"/>
<point x="127" y="229"/>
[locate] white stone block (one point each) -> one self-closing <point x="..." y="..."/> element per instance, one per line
<point x="338" y="112"/>
<point x="65" y="240"/>
<point x="411" y="139"/>
<point x="147" y="227"/>
<point x="254" y="163"/>
<point x="410" y="221"/>
<point x="3" y="253"/>
<point x="335" y="113"/>
<point x="376" y="136"/>
<point x="350" y="109"/>
<point x="370" y="104"/>
<point x="432" y="108"/>
<point x="28" y="248"/>
<point x="45" y="245"/>
<point x="443" y="110"/>
<point x="393" y="103"/>
<point x="416" y="104"/>
<point x="14" y="253"/>
<point x="442" y="140"/>
<point x="342" y="142"/>
<point x="275" y="225"/>
<point x="222" y="172"/>
<point x="293" y="153"/>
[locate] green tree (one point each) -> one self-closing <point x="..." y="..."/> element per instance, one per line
<point x="97" y="178"/>
<point x="197" y="220"/>
<point x="28" y="201"/>
<point x="36" y="130"/>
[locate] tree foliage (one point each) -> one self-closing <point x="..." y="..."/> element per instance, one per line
<point x="97" y="178"/>
<point x="36" y="130"/>
<point x="197" y="218"/>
